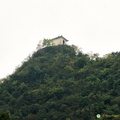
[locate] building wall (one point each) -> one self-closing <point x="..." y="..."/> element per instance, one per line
<point x="58" y="41"/>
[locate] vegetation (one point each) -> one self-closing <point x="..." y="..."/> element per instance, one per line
<point x="58" y="84"/>
<point x="44" y="43"/>
<point x="4" y="116"/>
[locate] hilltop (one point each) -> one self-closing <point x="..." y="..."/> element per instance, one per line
<point x="56" y="83"/>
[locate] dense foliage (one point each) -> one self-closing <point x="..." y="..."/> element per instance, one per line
<point x="4" y="116"/>
<point x="58" y="84"/>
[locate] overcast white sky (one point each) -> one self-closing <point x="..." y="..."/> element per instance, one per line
<point x="93" y="25"/>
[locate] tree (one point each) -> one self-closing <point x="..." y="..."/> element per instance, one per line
<point x="77" y="50"/>
<point x="4" y="116"/>
<point x="58" y="84"/>
<point x="44" y="43"/>
<point x="93" y="56"/>
<point x="39" y="45"/>
<point x="47" y="42"/>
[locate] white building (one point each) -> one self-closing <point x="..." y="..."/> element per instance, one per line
<point x="60" y="40"/>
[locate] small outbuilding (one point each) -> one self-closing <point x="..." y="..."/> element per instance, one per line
<point x="60" y="40"/>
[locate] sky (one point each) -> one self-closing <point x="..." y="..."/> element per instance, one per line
<point x="92" y="25"/>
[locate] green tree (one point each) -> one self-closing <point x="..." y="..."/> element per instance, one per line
<point x="47" y="42"/>
<point x="58" y="84"/>
<point x="4" y="116"/>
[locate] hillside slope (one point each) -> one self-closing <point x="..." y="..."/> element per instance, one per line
<point x="57" y="84"/>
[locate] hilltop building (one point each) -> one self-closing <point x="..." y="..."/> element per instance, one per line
<point x="60" y="40"/>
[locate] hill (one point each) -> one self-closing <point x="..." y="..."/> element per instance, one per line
<point x="58" y="84"/>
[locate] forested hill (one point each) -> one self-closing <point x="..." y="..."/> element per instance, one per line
<point x="57" y="83"/>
